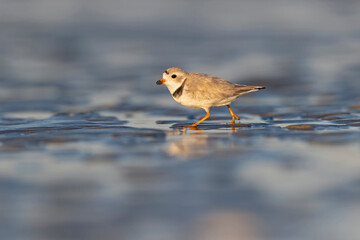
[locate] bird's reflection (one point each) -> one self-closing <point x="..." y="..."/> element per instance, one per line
<point x="191" y="142"/>
<point x="196" y="129"/>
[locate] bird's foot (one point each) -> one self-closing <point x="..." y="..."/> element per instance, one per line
<point x="233" y="119"/>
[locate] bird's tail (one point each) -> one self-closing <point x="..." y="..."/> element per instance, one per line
<point x="242" y="89"/>
<point x="259" y="87"/>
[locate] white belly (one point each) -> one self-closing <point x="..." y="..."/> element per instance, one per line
<point x="203" y="103"/>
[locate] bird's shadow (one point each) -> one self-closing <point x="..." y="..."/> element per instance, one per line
<point x="209" y="126"/>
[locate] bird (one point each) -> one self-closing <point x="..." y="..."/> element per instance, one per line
<point x="203" y="91"/>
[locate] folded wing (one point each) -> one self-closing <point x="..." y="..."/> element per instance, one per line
<point x="205" y="86"/>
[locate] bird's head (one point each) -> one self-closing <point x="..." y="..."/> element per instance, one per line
<point x="173" y="78"/>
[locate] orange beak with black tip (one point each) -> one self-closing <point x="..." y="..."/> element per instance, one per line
<point x="161" y="81"/>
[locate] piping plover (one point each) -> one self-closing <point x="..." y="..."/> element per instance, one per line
<point x="200" y="90"/>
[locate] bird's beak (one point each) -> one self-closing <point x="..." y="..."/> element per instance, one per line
<point x="161" y="81"/>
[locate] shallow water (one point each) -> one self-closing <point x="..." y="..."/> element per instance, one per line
<point x="92" y="148"/>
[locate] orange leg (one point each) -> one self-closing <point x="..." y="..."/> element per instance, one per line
<point x="203" y="119"/>
<point x="233" y="115"/>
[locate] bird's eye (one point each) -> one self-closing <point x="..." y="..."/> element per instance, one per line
<point x="173" y="76"/>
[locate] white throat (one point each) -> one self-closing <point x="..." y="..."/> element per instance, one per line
<point x="172" y="86"/>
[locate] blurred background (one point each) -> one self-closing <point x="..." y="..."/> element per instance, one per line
<point x="91" y="148"/>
